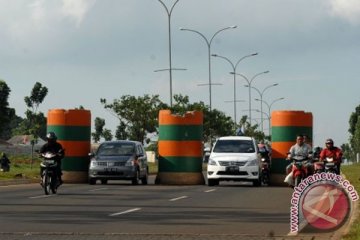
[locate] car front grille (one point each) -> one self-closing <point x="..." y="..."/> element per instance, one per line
<point x="111" y="164"/>
<point x="231" y="163"/>
<point x="239" y="173"/>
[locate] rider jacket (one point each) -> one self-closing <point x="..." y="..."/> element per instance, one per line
<point x="333" y="152"/>
<point x="53" y="148"/>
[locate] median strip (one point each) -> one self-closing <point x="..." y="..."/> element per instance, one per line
<point x="125" y="212"/>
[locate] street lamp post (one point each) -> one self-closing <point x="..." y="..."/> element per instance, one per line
<point x="249" y="84"/>
<point x="261" y="93"/>
<point x="269" y="109"/>
<point x="208" y="43"/>
<point x="234" y="66"/>
<point x="169" y="31"/>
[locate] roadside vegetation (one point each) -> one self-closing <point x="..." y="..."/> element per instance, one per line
<point x="352" y="174"/>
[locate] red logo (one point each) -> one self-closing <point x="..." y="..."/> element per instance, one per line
<point x="325" y="206"/>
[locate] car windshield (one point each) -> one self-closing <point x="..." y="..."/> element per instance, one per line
<point x="234" y="146"/>
<point x="116" y="149"/>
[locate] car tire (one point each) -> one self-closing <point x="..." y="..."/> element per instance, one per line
<point x="92" y="181"/>
<point x="104" y="181"/>
<point x="144" y="180"/>
<point x="135" y="180"/>
<point x="213" y="182"/>
<point x="257" y="183"/>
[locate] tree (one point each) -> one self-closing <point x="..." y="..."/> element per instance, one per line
<point x="35" y="122"/>
<point x="137" y="115"/>
<point x="6" y="113"/>
<point x="251" y="131"/>
<point x="100" y="131"/>
<point x="354" y="130"/>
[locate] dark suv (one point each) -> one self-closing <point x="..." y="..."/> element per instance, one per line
<point x="119" y="160"/>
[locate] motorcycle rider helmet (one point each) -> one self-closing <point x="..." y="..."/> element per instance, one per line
<point x="51" y="136"/>
<point x="329" y="141"/>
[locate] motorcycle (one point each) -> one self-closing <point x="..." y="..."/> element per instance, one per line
<point x="319" y="166"/>
<point x="299" y="169"/>
<point x="49" y="178"/>
<point x="330" y="166"/>
<point x="265" y="171"/>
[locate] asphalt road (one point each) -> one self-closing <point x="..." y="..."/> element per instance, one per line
<point x="119" y="210"/>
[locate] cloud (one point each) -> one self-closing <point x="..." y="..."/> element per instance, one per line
<point x="76" y="9"/>
<point x="346" y="9"/>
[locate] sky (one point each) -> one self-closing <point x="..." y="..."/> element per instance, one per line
<point x="84" y="50"/>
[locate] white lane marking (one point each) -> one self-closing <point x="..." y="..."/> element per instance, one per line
<point x="178" y="198"/>
<point x="124" y="212"/>
<point x="97" y="189"/>
<point x="42" y="196"/>
<point x="210" y="190"/>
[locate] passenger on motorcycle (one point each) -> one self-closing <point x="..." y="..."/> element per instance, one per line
<point x="331" y="151"/>
<point x="54" y="147"/>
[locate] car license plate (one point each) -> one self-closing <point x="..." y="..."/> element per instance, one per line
<point x="110" y="170"/>
<point x="330" y="164"/>
<point x="232" y="169"/>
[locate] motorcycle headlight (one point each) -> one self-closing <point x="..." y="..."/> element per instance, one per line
<point x="212" y="162"/>
<point x="252" y="162"/>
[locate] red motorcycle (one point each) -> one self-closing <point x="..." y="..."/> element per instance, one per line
<point x="299" y="169"/>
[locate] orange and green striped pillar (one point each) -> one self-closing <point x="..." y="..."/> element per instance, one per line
<point x="73" y="130"/>
<point x="180" y="148"/>
<point x="285" y="126"/>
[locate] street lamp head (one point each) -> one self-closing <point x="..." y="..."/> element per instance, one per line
<point x="214" y="55"/>
<point x="275" y="84"/>
<point x="233" y="26"/>
<point x="267" y="71"/>
<point x="254" y="54"/>
<point x="232" y="73"/>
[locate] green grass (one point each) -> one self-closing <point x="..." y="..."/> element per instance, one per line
<point x="21" y="167"/>
<point x="352" y="173"/>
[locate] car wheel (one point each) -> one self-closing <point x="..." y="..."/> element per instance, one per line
<point x="257" y="183"/>
<point x="103" y="181"/>
<point x="92" y="181"/>
<point x="213" y="182"/>
<point x="144" y="180"/>
<point x="135" y="180"/>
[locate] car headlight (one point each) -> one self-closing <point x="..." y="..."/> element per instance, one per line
<point x="212" y="162"/>
<point x="252" y="163"/>
<point x="93" y="163"/>
<point x="129" y="163"/>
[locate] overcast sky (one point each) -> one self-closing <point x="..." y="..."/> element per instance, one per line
<point x="84" y="50"/>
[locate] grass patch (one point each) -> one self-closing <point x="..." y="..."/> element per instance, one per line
<point x="21" y="167"/>
<point x="352" y="174"/>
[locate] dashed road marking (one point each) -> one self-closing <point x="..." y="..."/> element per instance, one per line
<point x="125" y="212"/>
<point x="178" y="198"/>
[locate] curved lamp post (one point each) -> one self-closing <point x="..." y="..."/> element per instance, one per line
<point x="249" y="81"/>
<point x="208" y="43"/>
<point x="269" y="109"/>
<point x="261" y="93"/>
<point x="234" y="66"/>
<point x="169" y="31"/>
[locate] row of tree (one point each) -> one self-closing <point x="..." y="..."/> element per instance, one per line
<point x="33" y="124"/>
<point x="138" y="116"/>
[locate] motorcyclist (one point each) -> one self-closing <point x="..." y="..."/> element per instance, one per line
<point x="264" y="151"/>
<point x="300" y="150"/>
<point x="54" y="147"/>
<point x="333" y="152"/>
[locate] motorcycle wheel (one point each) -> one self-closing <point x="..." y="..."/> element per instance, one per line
<point x="265" y="178"/>
<point x="54" y="184"/>
<point x="298" y="180"/>
<point x="46" y="182"/>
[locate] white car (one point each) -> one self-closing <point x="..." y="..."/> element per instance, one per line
<point x="234" y="158"/>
